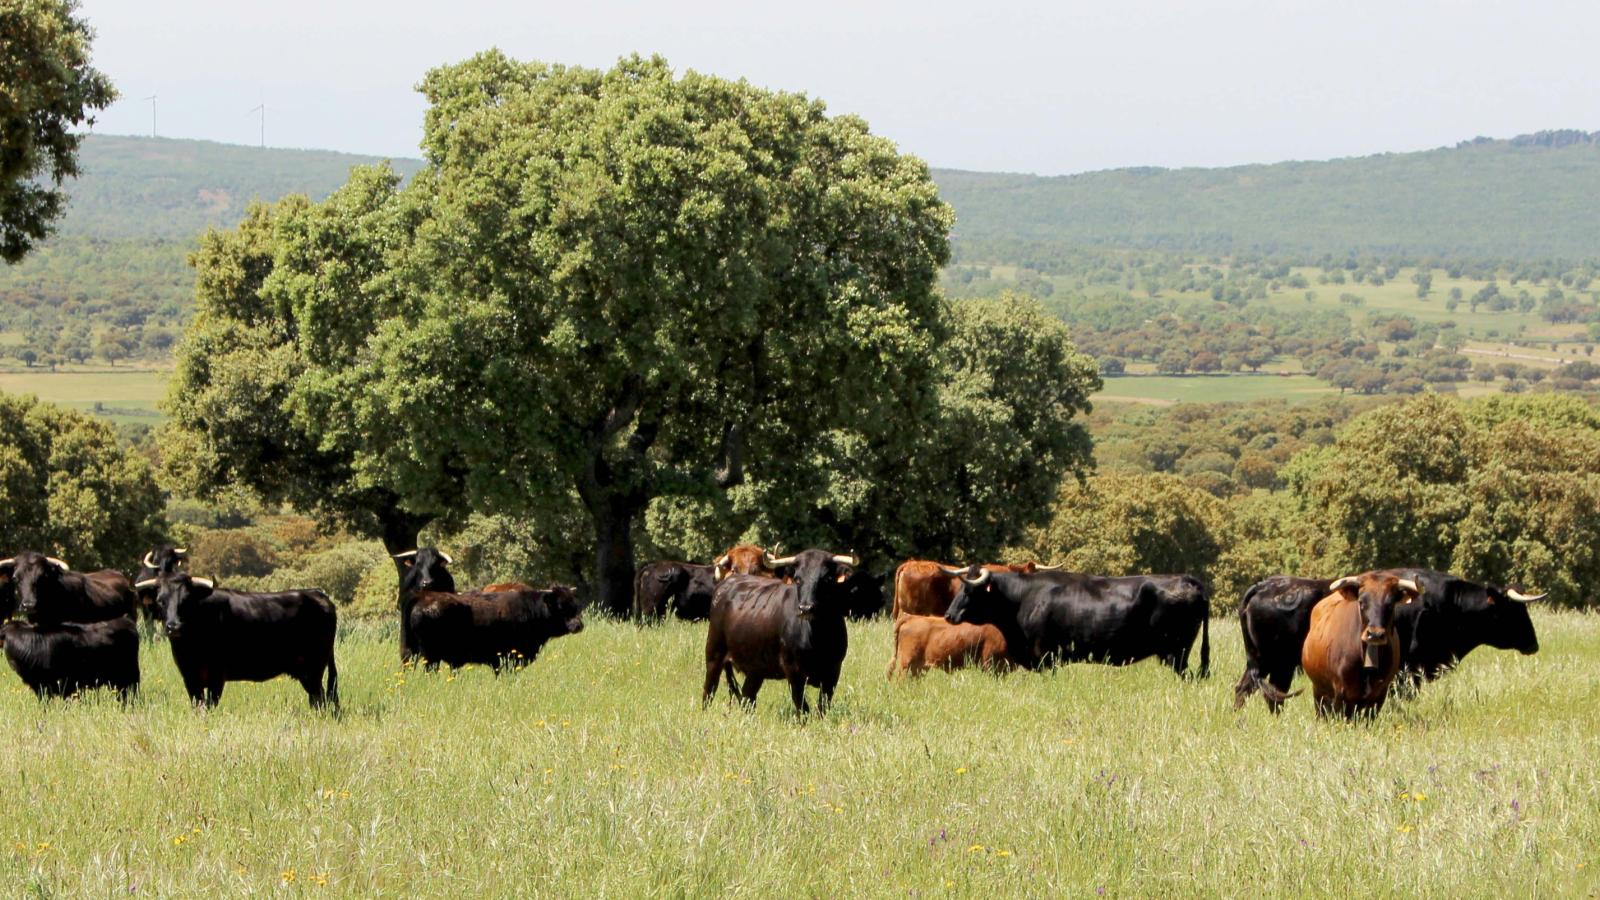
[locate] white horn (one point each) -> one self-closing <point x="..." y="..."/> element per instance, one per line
<point x="206" y="583"/>
<point x="181" y="551"/>
<point x="983" y="576"/>
<point x="949" y="571"/>
<point x="1510" y="592"/>
<point x="147" y="583"/>
<point x="775" y="563"/>
<point x="58" y="563"/>
<point x="149" y="560"/>
<point x="1348" y="579"/>
<point x="1407" y="584"/>
<point x="852" y="560"/>
<point x="448" y="560"/>
<point x="1040" y="567"/>
<point x="8" y="562"/>
<point x="406" y="555"/>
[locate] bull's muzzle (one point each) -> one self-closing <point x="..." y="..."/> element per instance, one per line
<point x="1371" y="640"/>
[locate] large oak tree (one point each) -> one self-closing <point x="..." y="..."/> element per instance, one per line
<point x="616" y="292"/>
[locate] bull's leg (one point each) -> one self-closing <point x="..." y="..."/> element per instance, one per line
<point x="312" y="682"/>
<point x="196" y="689"/>
<point x="714" y="664"/>
<point x="1326" y="704"/>
<point x="797" y="692"/>
<point x="1177" y="661"/>
<point x="825" y="695"/>
<point x="733" y="681"/>
<point x="213" y="693"/>
<point x="752" y="687"/>
<point x="1280" y="681"/>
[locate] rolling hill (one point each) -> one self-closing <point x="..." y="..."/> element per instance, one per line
<point x="1527" y="197"/>
<point x="119" y="256"/>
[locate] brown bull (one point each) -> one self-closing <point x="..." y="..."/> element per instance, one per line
<point x="744" y="559"/>
<point x="925" y="588"/>
<point x="929" y="642"/>
<point x="1352" y="651"/>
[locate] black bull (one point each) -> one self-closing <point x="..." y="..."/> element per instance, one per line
<point x="767" y="628"/>
<point x="218" y="636"/>
<point x="1455" y="616"/>
<point x="1054" y="617"/>
<point x="685" y="587"/>
<point x="48" y="591"/>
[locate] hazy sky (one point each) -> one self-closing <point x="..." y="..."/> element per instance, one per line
<point x="1047" y="87"/>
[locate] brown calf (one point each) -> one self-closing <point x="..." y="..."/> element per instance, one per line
<point x="929" y="642"/>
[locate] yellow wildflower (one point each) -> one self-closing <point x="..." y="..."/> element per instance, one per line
<point x="287" y="875"/>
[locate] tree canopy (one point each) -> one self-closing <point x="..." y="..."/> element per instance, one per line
<point x="68" y="489"/>
<point x="1505" y="490"/>
<point x="47" y="87"/>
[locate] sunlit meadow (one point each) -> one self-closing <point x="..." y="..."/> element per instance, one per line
<point x="596" y="772"/>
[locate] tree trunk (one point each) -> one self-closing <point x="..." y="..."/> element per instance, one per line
<point x="614" y="562"/>
<point x="401" y="531"/>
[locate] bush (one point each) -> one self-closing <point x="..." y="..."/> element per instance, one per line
<point x="229" y="554"/>
<point x="1122" y="523"/>
<point x="337" y="571"/>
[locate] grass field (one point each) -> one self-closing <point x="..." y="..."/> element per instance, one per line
<point x="1164" y="389"/>
<point x="596" y="773"/>
<point x="123" y="389"/>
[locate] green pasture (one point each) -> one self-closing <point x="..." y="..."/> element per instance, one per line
<point x="118" y="389"/>
<point x="595" y="772"/>
<point x="1395" y="297"/>
<point x="1164" y="389"/>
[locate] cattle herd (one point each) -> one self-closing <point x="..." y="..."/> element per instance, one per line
<point x="769" y="617"/>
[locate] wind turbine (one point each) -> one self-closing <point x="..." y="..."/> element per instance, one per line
<point x="261" y="108"/>
<point x="152" y="99"/>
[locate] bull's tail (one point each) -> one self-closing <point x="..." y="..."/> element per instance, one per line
<point x="1205" y="640"/>
<point x="894" y="644"/>
<point x="899" y="591"/>
<point x="1251" y="681"/>
<point x="333" y="681"/>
